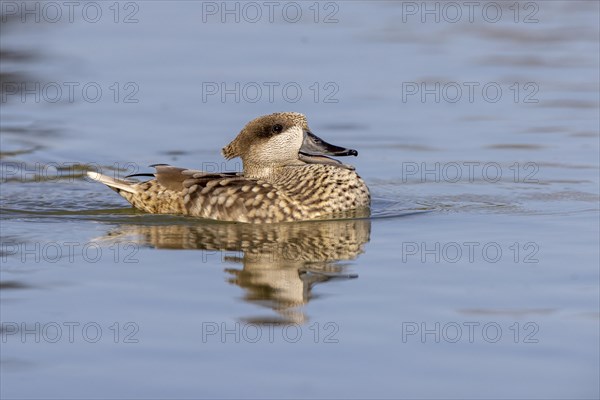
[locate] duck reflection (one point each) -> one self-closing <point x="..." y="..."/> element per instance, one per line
<point x="280" y="263"/>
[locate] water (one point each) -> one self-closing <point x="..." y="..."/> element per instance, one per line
<point x="475" y="277"/>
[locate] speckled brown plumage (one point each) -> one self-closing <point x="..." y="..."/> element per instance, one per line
<point x="280" y="182"/>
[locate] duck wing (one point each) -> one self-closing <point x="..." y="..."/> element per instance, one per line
<point x="178" y="179"/>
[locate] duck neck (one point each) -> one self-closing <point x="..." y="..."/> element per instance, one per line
<point x="264" y="172"/>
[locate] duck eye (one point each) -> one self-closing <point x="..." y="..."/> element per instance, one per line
<point x="277" y="128"/>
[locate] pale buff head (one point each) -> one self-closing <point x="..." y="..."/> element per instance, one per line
<point x="270" y="140"/>
<point x="278" y="140"/>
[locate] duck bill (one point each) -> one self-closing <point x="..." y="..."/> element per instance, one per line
<point x="315" y="146"/>
<point x="315" y="150"/>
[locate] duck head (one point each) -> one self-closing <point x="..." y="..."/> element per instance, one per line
<point x="280" y="140"/>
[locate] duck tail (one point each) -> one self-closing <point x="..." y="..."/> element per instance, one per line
<point x="115" y="184"/>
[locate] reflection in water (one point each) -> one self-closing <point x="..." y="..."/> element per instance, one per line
<point x="280" y="262"/>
